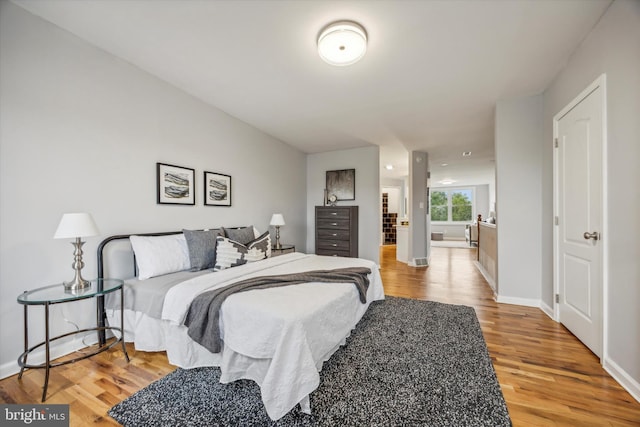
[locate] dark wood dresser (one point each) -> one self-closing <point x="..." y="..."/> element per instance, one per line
<point x="337" y="231"/>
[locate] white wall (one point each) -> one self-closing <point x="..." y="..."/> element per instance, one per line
<point x="483" y="206"/>
<point x="391" y="182"/>
<point x="518" y="149"/>
<point x="400" y="184"/>
<point x="82" y="131"/>
<point x="612" y="47"/>
<point x="394" y="198"/>
<point x="366" y="162"/>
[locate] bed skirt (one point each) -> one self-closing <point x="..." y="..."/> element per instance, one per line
<point x="150" y="334"/>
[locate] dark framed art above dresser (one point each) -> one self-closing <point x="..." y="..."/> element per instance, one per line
<point x="337" y="231"/>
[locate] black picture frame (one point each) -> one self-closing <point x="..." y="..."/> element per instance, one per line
<point x="341" y="183"/>
<point x="217" y="189"/>
<point x="176" y="185"/>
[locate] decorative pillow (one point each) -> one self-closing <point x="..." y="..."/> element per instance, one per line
<point x="260" y="248"/>
<point x="158" y="255"/>
<point x="243" y="235"/>
<point x="202" y="248"/>
<point x="230" y="253"/>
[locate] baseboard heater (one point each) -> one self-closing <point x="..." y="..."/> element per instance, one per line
<point x="421" y="262"/>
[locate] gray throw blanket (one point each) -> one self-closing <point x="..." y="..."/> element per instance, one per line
<point x="203" y="317"/>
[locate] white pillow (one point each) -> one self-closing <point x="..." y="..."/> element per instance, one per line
<point x="158" y="255"/>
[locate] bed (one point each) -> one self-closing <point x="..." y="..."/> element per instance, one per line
<point x="278" y="337"/>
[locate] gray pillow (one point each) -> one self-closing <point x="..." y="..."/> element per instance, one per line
<point x="242" y="235"/>
<point x="202" y="248"/>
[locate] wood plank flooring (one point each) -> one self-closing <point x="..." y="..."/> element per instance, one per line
<point x="547" y="376"/>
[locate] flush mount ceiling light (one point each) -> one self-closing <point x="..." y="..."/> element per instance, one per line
<point x="342" y="43"/>
<point x="389" y="167"/>
<point x="447" y="181"/>
<point x="466" y="153"/>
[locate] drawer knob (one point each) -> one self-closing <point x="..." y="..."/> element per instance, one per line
<point x="334" y="223"/>
<point x="334" y="213"/>
<point x="334" y="234"/>
<point x="335" y="245"/>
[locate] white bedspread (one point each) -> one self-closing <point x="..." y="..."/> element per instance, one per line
<point x="277" y="337"/>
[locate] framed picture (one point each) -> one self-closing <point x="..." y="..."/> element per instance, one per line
<point x="341" y="184"/>
<point x="217" y="189"/>
<point x="176" y="185"/>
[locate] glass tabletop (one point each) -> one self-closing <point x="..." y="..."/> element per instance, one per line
<point x="57" y="293"/>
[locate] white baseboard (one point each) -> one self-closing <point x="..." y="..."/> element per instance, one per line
<point x="547" y="310"/>
<point x="527" y="302"/>
<point x="8" y="369"/>
<point x="487" y="277"/>
<point x="623" y="378"/>
<point x="37" y="357"/>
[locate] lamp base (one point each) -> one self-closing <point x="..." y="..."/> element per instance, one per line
<point x="76" y="285"/>
<point x="278" y="245"/>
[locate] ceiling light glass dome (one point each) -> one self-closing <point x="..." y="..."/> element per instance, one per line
<point x="342" y="43"/>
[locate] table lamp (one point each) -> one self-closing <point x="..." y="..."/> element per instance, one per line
<point x="277" y="220"/>
<point x="76" y="226"/>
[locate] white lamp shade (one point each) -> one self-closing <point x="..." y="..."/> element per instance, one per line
<point x="277" y="219"/>
<point x="74" y="225"/>
<point x="342" y="43"/>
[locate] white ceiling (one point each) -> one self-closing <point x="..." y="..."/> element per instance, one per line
<point x="429" y="81"/>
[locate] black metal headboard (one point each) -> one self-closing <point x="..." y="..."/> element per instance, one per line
<point x="110" y="239"/>
<point x="102" y="316"/>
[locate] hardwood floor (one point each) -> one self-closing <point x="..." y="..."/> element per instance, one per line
<point x="547" y="376"/>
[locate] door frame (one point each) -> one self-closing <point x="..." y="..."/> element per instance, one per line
<point x="600" y="82"/>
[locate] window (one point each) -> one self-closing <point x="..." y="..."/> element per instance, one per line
<point x="452" y="205"/>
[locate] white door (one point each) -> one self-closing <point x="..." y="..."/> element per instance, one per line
<point x="579" y="159"/>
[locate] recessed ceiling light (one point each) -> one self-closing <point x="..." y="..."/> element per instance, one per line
<point x="447" y="181"/>
<point x="342" y="43"/>
<point x="389" y="167"/>
<point x="444" y="164"/>
<point x="466" y="153"/>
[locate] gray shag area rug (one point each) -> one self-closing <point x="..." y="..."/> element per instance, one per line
<point x="407" y="363"/>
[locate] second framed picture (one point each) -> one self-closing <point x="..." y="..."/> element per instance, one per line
<point x="217" y="189"/>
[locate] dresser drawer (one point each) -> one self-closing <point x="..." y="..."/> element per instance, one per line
<point x="342" y="245"/>
<point x="333" y="213"/>
<point x="333" y="234"/>
<point x="330" y="252"/>
<point x="333" y="224"/>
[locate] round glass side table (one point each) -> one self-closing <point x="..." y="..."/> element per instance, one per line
<point x="56" y="294"/>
